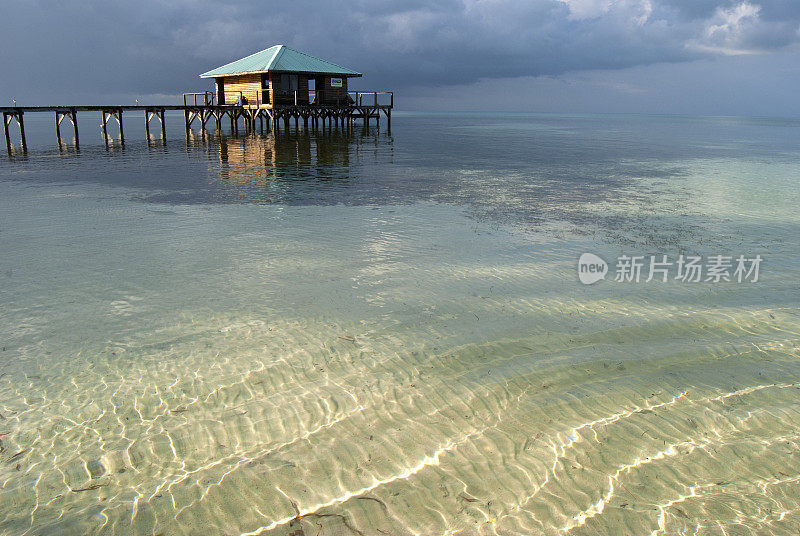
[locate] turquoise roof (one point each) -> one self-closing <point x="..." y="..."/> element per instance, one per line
<point x="279" y="58"/>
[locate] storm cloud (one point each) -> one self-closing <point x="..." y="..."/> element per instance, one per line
<point x="59" y="50"/>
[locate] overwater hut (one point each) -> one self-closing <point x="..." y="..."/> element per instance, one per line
<point x="281" y="75"/>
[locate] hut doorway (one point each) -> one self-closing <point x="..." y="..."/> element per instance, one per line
<point x="290" y="84"/>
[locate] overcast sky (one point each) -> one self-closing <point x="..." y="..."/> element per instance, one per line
<point x="653" y="56"/>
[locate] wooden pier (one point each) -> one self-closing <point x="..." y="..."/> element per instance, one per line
<point x="202" y="108"/>
<point x="277" y="83"/>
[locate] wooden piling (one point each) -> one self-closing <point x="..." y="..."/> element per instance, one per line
<point x="149" y="115"/>
<point x="58" y="126"/>
<point x="5" y="130"/>
<point x="21" y="124"/>
<point x="73" y="116"/>
<point x="121" y="131"/>
<point x="15" y="115"/>
<point x="116" y="113"/>
<point x="105" y="128"/>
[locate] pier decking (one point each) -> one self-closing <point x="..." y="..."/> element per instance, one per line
<point x="302" y="105"/>
<point x="202" y="107"/>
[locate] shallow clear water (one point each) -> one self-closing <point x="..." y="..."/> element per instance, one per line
<point x="385" y="334"/>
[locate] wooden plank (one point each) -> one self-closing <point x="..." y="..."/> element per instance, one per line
<point x="249" y="85"/>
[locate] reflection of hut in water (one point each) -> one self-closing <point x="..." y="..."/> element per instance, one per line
<point x="289" y="154"/>
<point x="291" y="167"/>
<point x="285" y="156"/>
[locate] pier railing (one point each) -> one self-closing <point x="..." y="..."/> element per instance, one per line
<point x="373" y="98"/>
<point x="322" y="98"/>
<point x="206" y="98"/>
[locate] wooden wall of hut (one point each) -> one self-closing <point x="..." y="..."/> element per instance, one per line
<point x="327" y="93"/>
<point x="248" y="84"/>
<point x="280" y="89"/>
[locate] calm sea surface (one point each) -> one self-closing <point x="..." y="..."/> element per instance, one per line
<point x="373" y="333"/>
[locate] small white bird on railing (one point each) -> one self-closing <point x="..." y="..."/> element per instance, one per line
<point x="137" y="102"/>
<point x="14" y="101"/>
